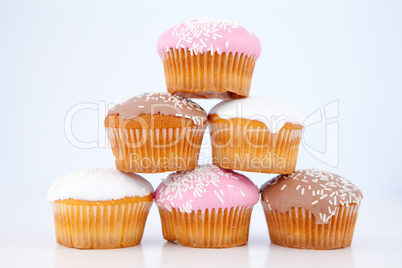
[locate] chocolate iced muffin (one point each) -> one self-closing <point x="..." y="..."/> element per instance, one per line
<point x="156" y="132"/>
<point x="311" y="209"/>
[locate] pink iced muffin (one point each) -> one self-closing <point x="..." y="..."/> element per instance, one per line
<point x="209" y="58"/>
<point x="208" y="207"/>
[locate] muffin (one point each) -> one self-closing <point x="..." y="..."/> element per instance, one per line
<point x="100" y="208"/>
<point x="207" y="207"/>
<point x="311" y="209"/>
<point x="256" y="134"/>
<point x="209" y="58"/>
<point x="156" y="132"/>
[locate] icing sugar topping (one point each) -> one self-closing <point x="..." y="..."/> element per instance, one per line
<point x="318" y="191"/>
<point x="274" y="114"/>
<point x="206" y="187"/>
<point x="210" y="35"/>
<point x="99" y="184"/>
<point x="161" y="103"/>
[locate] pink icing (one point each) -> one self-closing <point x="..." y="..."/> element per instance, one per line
<point x="205" y="34"/>
<point x="206" y="187"/>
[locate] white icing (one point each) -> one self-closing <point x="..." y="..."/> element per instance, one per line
<point x="99" y="184"/>
<point x="274" y="114"/>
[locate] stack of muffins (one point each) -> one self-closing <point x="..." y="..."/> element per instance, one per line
<point x="208" y="205"/>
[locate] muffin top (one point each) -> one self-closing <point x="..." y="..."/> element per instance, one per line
<point x="99" y="184"/>
<point x="160" y="103"/>
<point x="274" y="114"/>
<point x="206" y="187"/>
<point x="317" y="191"/>
<point x="210" y="35"/>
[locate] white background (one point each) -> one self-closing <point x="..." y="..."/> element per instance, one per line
<point x="57" y="54"/>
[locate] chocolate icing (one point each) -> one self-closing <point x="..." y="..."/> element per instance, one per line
<point x="317" y="191"/>
<point x="161" y="103"/>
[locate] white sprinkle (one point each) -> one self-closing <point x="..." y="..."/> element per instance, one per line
<point x="203" y="43"/>
<point x="298" y="187"/>
<point x="242" y="194"/>
<point x="197" y="192"/>
<point x="140" y="106"/>
<point x="221" y="191"/>
<point x="219" y="197"/>
<point x="315" y="202"/>
<point x="283" y="187"/>
<point x="322" y="197"/>
<point x="229" y="185"/>
<point x="302" y="192"/>
<point x="227" y="44"/>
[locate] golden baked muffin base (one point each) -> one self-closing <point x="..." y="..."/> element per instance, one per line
<point x="222" y="228"/>
<point x="224" y="76"/>
<point x="297" y="228"/>
<point x="147" y="121"/>
<point x="248" y="145"/>
<point x="158" y="143"/>
<point x="101" y="224"/>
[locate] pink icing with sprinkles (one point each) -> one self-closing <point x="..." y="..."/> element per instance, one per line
<point x="210" y="35"/>
<point x="206" y="187"/>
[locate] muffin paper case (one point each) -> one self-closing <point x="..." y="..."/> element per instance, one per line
<point x="207" y="207"/>
<point x="156" y="132"/>
<point x="255" y="134"/>
<point x="100" y="208"/>
<point x="156" y="150"/>
<point x="311" y="209"/>
<point x="297" y="228"/>
<point x="221" y="228"/>
<point x="209" y="58"/>
<point x="101" y="224"/>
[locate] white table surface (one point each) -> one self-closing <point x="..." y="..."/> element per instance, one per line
<point x="27" y="240"/>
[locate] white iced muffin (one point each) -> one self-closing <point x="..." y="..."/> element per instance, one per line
<point x="100" y="208"/>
